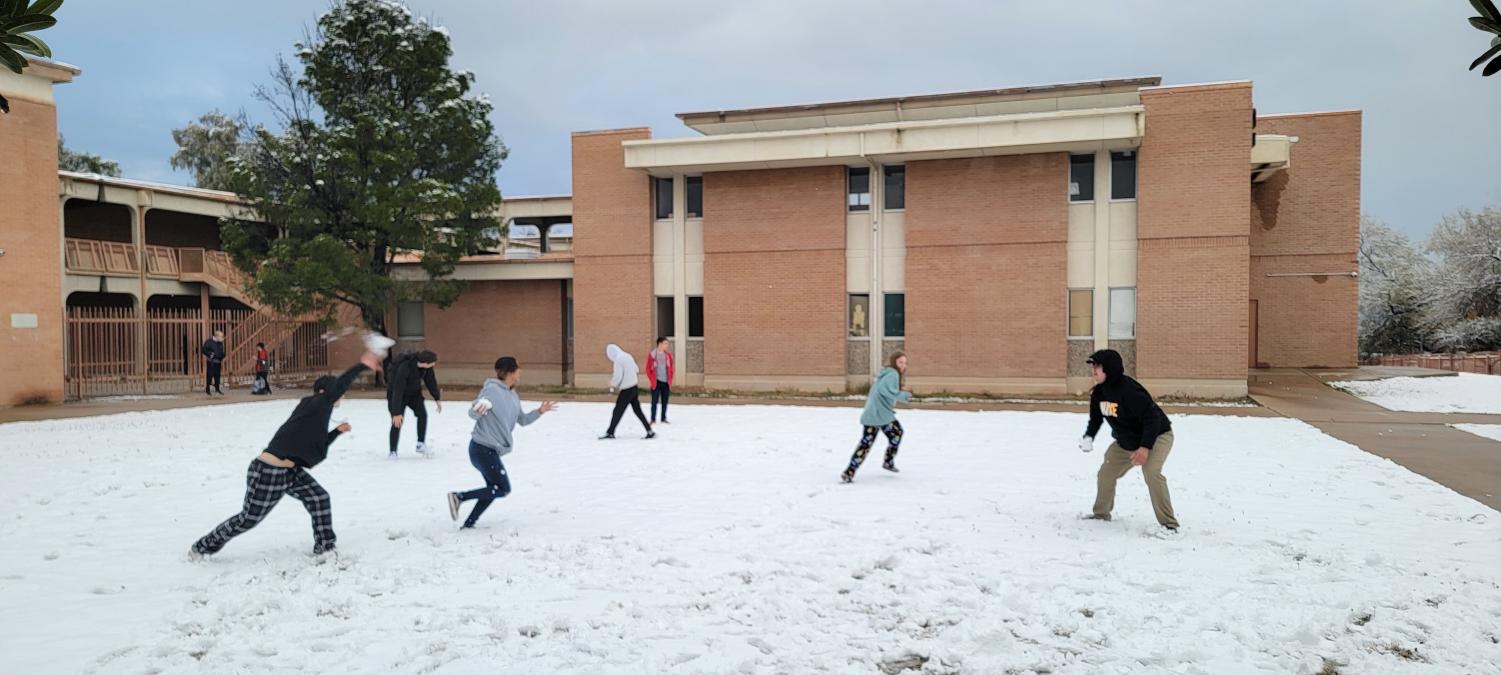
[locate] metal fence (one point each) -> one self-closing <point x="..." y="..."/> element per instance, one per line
<point x="1488" y="363"/>
<point x="115" y="351"/>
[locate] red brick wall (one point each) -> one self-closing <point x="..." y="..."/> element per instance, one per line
<point x="30" y="270"/>
<point x="1307" y="219"/>
<point x="612" y="251"/>
<point x="774" y="286"/>
<point x="987" y="266"/>
<point x="1193" y="205"/>
<point x="492" y="319"/>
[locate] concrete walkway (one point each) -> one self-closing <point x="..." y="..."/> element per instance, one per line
<point x="1422" y="442"/>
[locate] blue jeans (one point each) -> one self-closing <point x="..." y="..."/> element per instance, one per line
<point x="497" y="484"/>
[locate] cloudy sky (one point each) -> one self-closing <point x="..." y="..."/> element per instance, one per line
<point x="1431" y="129"/>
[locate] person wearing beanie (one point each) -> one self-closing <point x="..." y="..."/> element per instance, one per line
<point x="300" y="444"/>
<point x="1143" y="437"/>
<point x="496" y="413"/>
<point x="406" y="377"/>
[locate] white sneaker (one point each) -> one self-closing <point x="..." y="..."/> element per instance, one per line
<point x="423" y="450"/>
<point x="378" y="343"/>
<point x="392" y="456"/>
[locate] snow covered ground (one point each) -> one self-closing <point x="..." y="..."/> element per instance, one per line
<point x="1462" y="393"/>
<point x="1491" y="431"/>
<point x="726" y="545"/>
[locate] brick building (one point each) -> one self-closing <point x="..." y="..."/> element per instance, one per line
<point x="996" y="236"/>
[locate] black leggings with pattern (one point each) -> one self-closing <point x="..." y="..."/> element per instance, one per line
<point x="893" y="433"/>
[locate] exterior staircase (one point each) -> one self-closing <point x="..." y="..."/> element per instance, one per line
<point x="215" y="269"/>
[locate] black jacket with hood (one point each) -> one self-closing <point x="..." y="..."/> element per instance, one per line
<point x="406" y="380"/>
<point x="304" y="437"/>
<point x="1135" y="419"/>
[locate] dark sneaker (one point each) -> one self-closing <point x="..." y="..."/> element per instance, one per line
<point x="891" y="467"/>
<point x="650" y="435"/>
<point x="607" y="437"/>
<point x="323" y="549"/>
<point x="453" y="506"/>
<point x="846" y="478"/>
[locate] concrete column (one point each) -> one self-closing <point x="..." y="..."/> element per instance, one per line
<point x="138" y="236"/>
<point x="679" y="279"/>
<point x="1101" y="249"/>
<point x="877" y="318"/>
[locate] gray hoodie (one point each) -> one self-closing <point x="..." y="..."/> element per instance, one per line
<point x="625" y="373"/>
<point x="493" y="429"/>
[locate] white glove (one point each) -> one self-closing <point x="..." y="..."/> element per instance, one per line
<point x="481" y="406"/>
<point x="1086" y="444"/>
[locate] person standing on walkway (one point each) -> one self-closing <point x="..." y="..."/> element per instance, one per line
<point x="496" y="413"/>
<point x="262" y="370"/>
<point x="408" y="374"/>
<point x="879" y="416"/>
<point x="625" y="380"/>
<point x="213" y="360"/>
<point x="1143" y="437"/>
<point x="300" y="444"/>
<point x="659" y="366"/>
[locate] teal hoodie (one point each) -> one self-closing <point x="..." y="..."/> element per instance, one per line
<point x="880" y="407"/>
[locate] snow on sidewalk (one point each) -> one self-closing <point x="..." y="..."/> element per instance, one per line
<point x="1461" y="393"/>
<point x="1491" y="431"/>
<point x="726" y="545"/>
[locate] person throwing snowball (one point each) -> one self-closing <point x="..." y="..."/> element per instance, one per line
<point x="496" y="413"/>
<point x="879" y="416"/>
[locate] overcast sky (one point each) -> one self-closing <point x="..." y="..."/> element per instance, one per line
<point x="1431" y="128"/>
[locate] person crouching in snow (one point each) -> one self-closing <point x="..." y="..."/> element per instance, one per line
<point x="300" y="444"/>
<point x="496" y="413"/>
<point x="625" y="380"/>
<point x="1143" y="437"/>
<point x="880" y="416"/>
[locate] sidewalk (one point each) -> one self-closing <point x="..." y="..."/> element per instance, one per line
<point x="1422" y="442"/>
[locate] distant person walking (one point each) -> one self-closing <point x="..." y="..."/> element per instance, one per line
<point x="659" y="367"/>
<point x="406" y="377"/>
<point x="496" y="413"/>
<point x="879" y="416"/>
<point x="213" y="360"/>
<point x="624" y="380"/>
<point x="1143" y="437"/>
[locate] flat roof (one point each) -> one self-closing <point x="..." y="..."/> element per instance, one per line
<point x="1059" y="89"/>
<point x="134" y="184"/>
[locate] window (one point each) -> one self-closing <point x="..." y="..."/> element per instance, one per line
<point x="896" y="315"/>
<point x="859" y="189"/>
<point x="1123" y="175"/>
<point x="695" y="190"/>
<point x="1081" y="178"/>
<point x="662" y="189"/>
<point x="696" y="316"/>
<point x="1122" y="313"/>
<point x="1080" y="313"/>
<point x="666" y="319"/>
<point x="409" y="320"/>
<point x="859" y="316"/>
<point x="894" y="190"/>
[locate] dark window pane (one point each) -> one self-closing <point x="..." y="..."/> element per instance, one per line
<point x="895" y="187"/>
<point x="859" y="189"/>
<point x="696" y="316"/>
<point x="695" y="189"/>
<point x="665" y="318"/>
<point x="1123" y="175"/>
<point x="896" y="315"/>
<point x="1080" y="178"/>
<point x="662" y="188"/>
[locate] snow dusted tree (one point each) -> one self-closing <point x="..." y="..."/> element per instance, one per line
<point x="1465" y="295"/>
<point x="379" y="151"/>
<point x="83" y="162"/>
<point x="206" y="146"/>
<point x="1393" y="278"/>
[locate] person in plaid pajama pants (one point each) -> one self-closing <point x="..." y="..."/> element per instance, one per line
<point x="282" y="470"/>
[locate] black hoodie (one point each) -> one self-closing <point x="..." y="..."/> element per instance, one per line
<point x="405" y="380"/>
<point x="303" y="439"/>
<point x="1135" y="419"/>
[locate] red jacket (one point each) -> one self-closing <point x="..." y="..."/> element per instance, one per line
<point x="651" y="367"/>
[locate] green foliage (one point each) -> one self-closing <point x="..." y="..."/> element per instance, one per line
<point x="1489" y="21"/>
<point x="82" y="162"/>
<point x="380" y="151"/>
<point x="17" y="23"/>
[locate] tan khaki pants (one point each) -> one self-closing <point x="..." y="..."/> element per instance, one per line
<point x="1118" y="462"/>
